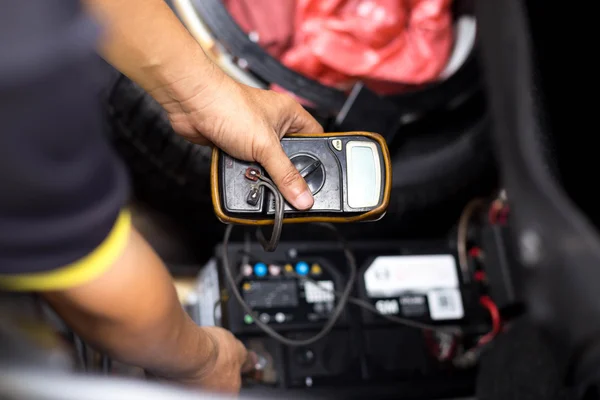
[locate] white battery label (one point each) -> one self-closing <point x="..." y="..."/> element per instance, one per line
<point x="433" y="276"/>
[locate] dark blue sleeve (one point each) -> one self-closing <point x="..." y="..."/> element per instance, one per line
<point x="61" y="186"/>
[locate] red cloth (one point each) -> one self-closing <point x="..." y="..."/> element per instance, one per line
<point x="386" y="43"/>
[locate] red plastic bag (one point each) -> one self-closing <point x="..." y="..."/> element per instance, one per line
<point x="340" y="42"/>
<point x="386" y="43"/>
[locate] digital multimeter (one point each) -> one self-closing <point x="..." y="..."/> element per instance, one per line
<point x="349" y="175"/>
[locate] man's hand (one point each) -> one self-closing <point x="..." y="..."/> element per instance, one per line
<point x="146" y="41"/>
<point x="133" y="314"/>
<point x="230" y="359"/>
<point x="245" y="122"/>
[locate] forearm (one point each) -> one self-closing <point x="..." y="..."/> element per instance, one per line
<point x="147" y="42"/>
<point x="132" y="312"/>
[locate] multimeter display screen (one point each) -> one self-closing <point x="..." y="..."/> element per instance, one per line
<point x="364" y="174"/>
<point x="273" y="294"/>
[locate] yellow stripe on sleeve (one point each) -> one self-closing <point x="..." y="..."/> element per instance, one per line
<point x="84" y="270"/>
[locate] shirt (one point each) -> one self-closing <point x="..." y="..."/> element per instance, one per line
<point x="62" y="188"/>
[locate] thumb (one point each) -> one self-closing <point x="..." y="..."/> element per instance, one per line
<point x="287" y="178"/>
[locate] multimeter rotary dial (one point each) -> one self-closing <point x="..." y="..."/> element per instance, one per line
<point x="311" y="169"/>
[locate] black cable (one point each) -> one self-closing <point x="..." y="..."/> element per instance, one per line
<point x="370" y="307"/>
<point x="398" y="320"/>
<point x="272" y="243"/>
<point x="343" y="298"/>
